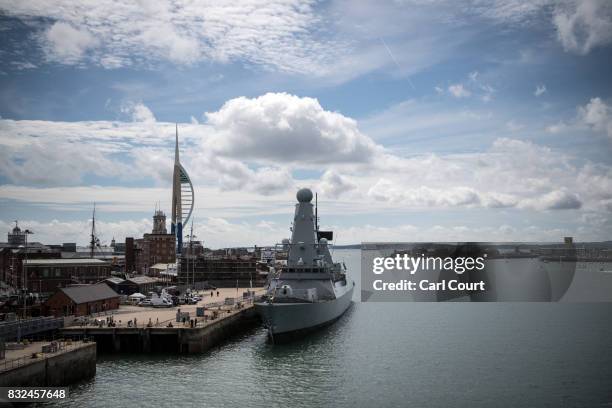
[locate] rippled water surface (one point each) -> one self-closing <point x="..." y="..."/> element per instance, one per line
<point x="386" y="355"/>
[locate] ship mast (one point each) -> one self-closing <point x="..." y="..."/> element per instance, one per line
<point x="317" y="215"/>
<point x="93" y="240"/>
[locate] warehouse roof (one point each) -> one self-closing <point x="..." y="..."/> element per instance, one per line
<point x="114" y="279"/>
<point x="89" y="293"/>
<point x="139" y="280"/>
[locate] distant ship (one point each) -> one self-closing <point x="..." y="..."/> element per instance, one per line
<point x="311" y="291"/>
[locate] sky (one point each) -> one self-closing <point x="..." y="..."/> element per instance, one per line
<point x="413" y="120"/>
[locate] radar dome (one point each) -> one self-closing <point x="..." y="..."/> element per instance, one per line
<point x="304" y="195"/>
<point x="323" y="241"/>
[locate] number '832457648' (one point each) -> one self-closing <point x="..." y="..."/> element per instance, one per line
<point x="33" y="393"/>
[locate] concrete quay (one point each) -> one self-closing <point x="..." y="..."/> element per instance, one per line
<point x="195" y="336"/>
<point x="29" y="367"/>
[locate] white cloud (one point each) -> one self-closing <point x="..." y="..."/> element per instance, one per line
<point x="216" y="232"/>
<point x="333" y="185"/>
<point x="234" y="175"/>
<point x="279" y="127"/>
<point x="580" y="25"/>
<point x="459" y="91"/>
<point x="46" y="162"/>
<point x="424" y="196"/>
<point x="597" y="115"/>
<point x="278" y="33"/>
<point x="36" y="152"/>
<point x="514" y="126"/>
<point x="57" y="232"/>
<point x="584" y="25"/>
<point x="549" y="180"/>
<point x="67" y="44"/>
<point x="555" y="200"/>
<point x="333" y="42"/>
<point x="249" y="151"/>
<point x="509" y="11"/>
<point x="219" y="232"/>
<point x="540" y="90"/>
<point x="556" y="128"/>
<point x="139" y="112"/>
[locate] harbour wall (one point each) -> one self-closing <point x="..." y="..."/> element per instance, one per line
<point x="54" y="370"/>
<point x="168" y="339"/>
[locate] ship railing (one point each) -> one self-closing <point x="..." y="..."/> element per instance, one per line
<point x="283" y="246"/>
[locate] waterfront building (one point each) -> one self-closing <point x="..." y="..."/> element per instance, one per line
<point x="47" y="274"/>
<point x="130" y="254"/>
<point x="153" y="248"/>
<point x="102" y="252"/>
<point x="82" y="300"/>
<point x="113" y="282"/>
<point x="159" y="222"/>
<point x="11" y="261"/>
<point x="16" y="237"/>
<point x="140" y="284"/>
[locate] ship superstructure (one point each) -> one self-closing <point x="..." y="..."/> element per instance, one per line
<point x="311" y="290"/>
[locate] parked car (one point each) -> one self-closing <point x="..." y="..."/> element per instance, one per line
<point x="145" y="302"/>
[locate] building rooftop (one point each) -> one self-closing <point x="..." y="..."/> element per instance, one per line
<point x="64" y="261"/>
<point x="163" y="266"/>
<point x="139" y="280"/>
<point x="89" y="293"/>
<point x="114" y="280"/>
<point x="31" y="246"/>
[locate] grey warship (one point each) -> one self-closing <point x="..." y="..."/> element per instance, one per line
<point x="312" y="290"/>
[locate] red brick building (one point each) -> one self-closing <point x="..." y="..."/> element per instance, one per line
<point x="156" y="247"/>
<point x="11" y="261"/>
<point x="46" y="275"/>
<point x="81" y="300"/>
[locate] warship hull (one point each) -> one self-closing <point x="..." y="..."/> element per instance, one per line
<point x="286" y="321"/>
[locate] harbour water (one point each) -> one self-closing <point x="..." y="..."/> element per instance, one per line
<point x="387" y="355"/>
